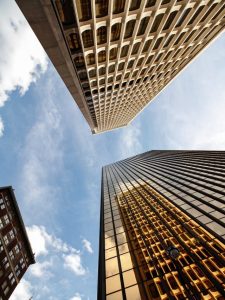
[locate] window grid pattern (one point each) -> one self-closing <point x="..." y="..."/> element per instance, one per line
<point x="155" y="200"/>
<point x="160" y="38"/>
<point x="15" y="257"/>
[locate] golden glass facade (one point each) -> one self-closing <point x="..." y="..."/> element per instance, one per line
<point x="116" y="56"/>
<point x="162" y="229"/>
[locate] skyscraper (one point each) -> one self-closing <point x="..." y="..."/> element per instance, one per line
<point x="116" y="56"/>
<point x="15" y="251"/>
<point x="162" y="227"/>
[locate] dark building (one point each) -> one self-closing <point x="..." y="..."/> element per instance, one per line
<point x="162" y="227"/>
<point x="15" y="250"/>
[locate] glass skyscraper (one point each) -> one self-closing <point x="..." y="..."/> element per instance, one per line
<point x="162" y="227"/>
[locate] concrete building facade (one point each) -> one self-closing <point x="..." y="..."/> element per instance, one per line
<point x="116" y="56"/>
<point x="15" y="250"/>
<point x="162" y="228"/>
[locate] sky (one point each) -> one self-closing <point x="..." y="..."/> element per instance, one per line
<point x="53" y="162"/>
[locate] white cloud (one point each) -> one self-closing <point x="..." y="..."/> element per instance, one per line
<point x="41" y="269"/>
<point x="22" y="291"/>
<point x="87" y="245"/>
<point x="77" y="296"/>
<point x="129" y="142"/>
<point x="37" y="236"/>
<point x="1" y="127"/>
<point x="73" y="263"/>
<point x="42" y="242"/>
<point x="22" y="58"/>
<point x="42" y="156"/>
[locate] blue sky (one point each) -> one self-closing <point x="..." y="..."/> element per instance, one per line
<point x="54" y="162"/>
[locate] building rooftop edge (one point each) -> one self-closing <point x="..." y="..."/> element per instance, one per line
<point x="11" y="190"/>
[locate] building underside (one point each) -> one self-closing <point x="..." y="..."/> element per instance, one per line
<point x="116" y="56"/>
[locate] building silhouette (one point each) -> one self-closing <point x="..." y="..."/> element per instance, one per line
<point x="15" y="250"/>
<point x="162" y="227"/>
<point x="116" y="56"/>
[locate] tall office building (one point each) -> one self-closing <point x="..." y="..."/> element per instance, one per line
<point x="15" y="251"/>
<point x="162" y="227"/>
<point x="116" y="56"/>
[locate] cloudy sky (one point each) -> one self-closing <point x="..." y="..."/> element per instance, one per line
<point x="52" y="160"/>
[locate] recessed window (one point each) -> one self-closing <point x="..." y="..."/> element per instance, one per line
<point x="170" y="20"/>
<point x="101" y="8"/>
<point x="102" y="35"/>
<point x="92" y="73"/>
<point x="79" y="62"/>
<point x="115" y="32"/>
<point x="84" y="10"/>
<point x="111" y="68"/>
<point x="129" y="29"/>
<point x="143" y="25"/>
<point x="74" y="41"/>
<point x="124" y="51"/>
<point x="130" y="64"/>
<point x="121" y="66"/>
<point x="102" y="71"/>
<point x="150" y="3"/>
<point x="135" y="48"/>
<point x="87" y="38"/>
<point x="118" y="6"/>
<point x="140" y="61"/>
<point x="146" y="46"/>
<point x="135" y="4"/>
<point x="101" y="56"/>
<point x="90" y="58"/>
<point x="113" y="53"/>
<point x="156" y="23"/>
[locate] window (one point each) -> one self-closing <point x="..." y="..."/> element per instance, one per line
<point x="79" y="62"/>
<point x="135" y="48"/>
<point x="90" y="59"/>
<point x="135" y="4"/>
<point x="156" y="23"/>
<point x="84" y="10"/>
<point x="102" y="35"/>
<point x="101" y="7"/>
<point x="11" y="255"/>
<point x="118" y="6"/>
<point x="115" y="32"/>
<point x="129" y="29"/>
<point x="1" y="223"/>
<point x="101" y="56"/>
<point x="113" y="53"/>
<point x="87" y="37"/>
<point x="11" y="234"/>
<point x="143" y="25"/>
<point x="6" y="240"/>
<point x="124" y="51"/>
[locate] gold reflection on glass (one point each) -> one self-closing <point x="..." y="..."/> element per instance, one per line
<point x="121" y="238"/>
<point x="110" y="253"/>
<point x="109" y="233"/>
<point x="126" y="262"/>
<point x="113" y="284"/>
<point x="129" y="278"/>
<point x="123" y="248"/>
<point x="115" y="296"/>
<point x="111" y="267"/>
<point x="108" y="226"/>
<point x="119" y="229"/>
<point x="133" y="293"/>
<point x="110" y="242"/>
